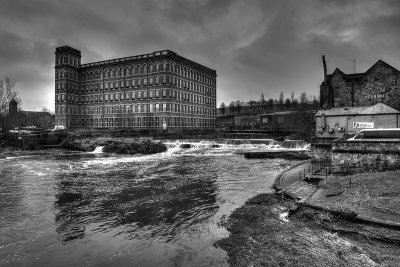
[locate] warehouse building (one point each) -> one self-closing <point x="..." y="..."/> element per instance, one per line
<point x="344" y="121"/>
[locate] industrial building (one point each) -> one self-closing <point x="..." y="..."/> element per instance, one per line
<point x="344" y="121"/>
<point x="379" y="84"/>
<point x="156" y="91"/>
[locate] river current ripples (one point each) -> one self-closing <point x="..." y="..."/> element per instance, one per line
<point x="100" y="209"/>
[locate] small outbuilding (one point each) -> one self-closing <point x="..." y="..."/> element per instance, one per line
<point x="344" y="121"/>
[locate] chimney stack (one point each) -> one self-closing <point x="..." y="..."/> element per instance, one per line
<point x="324" y="63"/>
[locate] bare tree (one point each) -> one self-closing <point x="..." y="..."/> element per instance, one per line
<point x="238" y="106"/>
<point x="281" y="99"/>
<point x="262" y="102"/>
<point x="232" y="107"/>
<point x="45" y="109"/>
<point x="7" y="93"/>
<point x="287" y="103"/>
<point x="303" y="98"/>
<point x="253" y="105"/>
<point x="271" y="103"/>
<point x="222" y="107"/>
<point x="295" y="103"/>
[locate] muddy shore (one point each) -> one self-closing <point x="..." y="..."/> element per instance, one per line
<point x="261" y="235"/>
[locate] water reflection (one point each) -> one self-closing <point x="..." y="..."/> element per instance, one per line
<point x="11" y="193"/>
<point x="167" y="196"/>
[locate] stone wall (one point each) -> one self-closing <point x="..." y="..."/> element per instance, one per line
<point x="381" y="83"/>
<point x="367" y="147"/>
<point x="366" y="155"/>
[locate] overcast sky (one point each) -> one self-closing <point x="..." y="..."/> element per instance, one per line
<point x="255" y="46"/>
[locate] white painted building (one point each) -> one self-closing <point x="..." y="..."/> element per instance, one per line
<point x="336" y="122"/>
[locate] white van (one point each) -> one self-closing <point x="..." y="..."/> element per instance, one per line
<point x="389" y="134"/>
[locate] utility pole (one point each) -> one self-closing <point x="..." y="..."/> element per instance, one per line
<point x="354" y="65"/>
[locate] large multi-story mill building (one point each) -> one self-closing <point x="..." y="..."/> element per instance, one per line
<point x="156" y="91"/>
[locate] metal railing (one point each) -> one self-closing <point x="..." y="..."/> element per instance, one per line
<point x="303" y="171"/>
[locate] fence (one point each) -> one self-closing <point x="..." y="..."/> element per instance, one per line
<point x="302" y="171"/>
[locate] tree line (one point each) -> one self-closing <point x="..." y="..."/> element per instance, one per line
<point x="304" y="102"/>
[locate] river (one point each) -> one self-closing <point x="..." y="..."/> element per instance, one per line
<point x="101" y="209"/>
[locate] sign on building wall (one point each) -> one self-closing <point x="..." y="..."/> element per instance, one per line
<point x="363" y="125"/>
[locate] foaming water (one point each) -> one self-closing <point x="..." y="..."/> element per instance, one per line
<point x="137" y="210"/>
<point x="98" y="149"/>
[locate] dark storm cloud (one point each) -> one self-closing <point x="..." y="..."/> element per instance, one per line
<point x="256" y="46"/>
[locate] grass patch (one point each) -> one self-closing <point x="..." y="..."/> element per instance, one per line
<point x="379" y="191"/>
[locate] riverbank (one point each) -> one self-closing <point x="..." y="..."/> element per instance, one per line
<point x="6" y="152"/>
<point x="114" y="145"/>
<point x="260" y="236"/>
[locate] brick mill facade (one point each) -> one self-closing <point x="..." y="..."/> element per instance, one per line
<point x="379" y="84"/>
<point x="157" y="91"/>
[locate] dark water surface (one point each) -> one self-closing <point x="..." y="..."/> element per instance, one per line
<point x="110" y="210"/>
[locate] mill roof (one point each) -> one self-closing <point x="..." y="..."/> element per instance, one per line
<point x="354" y="77"/>
<point x="379" y="108"/>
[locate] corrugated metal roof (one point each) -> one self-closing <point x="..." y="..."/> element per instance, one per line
<point x="379" y="108"/>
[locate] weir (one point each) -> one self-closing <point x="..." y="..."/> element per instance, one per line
<point x="98" y="149"/>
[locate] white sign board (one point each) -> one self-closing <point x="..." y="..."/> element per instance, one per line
<point x="363" y="125"/>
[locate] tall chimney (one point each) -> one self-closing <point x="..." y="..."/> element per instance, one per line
<point x="324" y="63"/>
